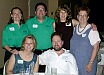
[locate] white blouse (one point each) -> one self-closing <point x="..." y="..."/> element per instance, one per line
<point x="93" y="35"/>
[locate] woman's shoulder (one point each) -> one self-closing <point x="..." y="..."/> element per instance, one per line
<point x="7" y="25"/>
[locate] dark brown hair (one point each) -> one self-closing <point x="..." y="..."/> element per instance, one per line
<point x="40" y="3"/>
<point x="11" y="19"/>
<point x="83" y="8"/>
<point x="58" y="34"/>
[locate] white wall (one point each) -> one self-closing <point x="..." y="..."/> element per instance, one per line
<point x="52" y="6"/>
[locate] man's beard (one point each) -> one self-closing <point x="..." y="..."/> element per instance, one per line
<point x="57" y="49"/>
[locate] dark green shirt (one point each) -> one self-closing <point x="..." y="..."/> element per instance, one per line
<point x="13" y="35"/>
<point x="41" y="31"/>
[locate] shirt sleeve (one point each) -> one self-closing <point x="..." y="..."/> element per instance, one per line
<point x="94" y="37"/>
<point x="43" y="58"/>
<point x="5" y="36"/>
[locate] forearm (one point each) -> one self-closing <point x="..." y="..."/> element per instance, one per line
<point x="53" y="25"/>
<point x="8" y="48"/>
<point x="36" y="67"/>
<point x="94" y="52"/>
<point x="75" y="22"/>
<point x="9" y="72"/>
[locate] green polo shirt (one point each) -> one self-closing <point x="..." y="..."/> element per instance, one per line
<point x="13" y="35"/>
<point x="41" y="31"/>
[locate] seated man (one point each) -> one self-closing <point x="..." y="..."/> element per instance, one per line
<point x="58" y="57"/>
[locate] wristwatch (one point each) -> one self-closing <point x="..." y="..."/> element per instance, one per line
<point x="91" y="62"/>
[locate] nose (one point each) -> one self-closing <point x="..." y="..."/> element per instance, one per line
<point x="29" y="44"/>
<point x="56" y="43"/>
<point x="17" y="14"/>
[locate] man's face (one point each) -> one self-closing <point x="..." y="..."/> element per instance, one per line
<point x="40" y="12"/>
<point x="57" y="43"/>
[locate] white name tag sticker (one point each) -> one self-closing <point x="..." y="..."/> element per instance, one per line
<point x="69" y="24"/>
<point x="20" y="61"/>
<point x="65" y="58"/>
<point x="35" y="26"/>
<point x="83" y="35"/>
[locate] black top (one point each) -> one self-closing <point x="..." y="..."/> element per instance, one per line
<point x="66" y="31"/>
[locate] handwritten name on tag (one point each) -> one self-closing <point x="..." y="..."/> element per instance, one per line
<point x="83" y="35"/>
<point x="20" y="61"/>
<point x="68" y="24"/>
<point x="35" y="26"/>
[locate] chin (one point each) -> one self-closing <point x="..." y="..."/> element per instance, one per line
<point x="57" y="49"/>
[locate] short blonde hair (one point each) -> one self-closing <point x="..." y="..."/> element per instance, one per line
<point x="29" y="37"/>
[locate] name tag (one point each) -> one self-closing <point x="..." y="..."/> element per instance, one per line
<point x="12" y="29"/>
<point x="35" y="26"/>
<point x="20" y="61"/>
<point x="65" y="58"/>
<point x="69" y="24"/>
<point x="83" y="35"/>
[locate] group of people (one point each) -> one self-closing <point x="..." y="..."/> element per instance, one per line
<point x="64" y="43"/>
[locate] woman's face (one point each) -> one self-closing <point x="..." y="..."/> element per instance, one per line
<point x="63" y="15"/>
<point x="29" y="44"/>
<point x="82" y="17"/>
<point x="16" y="15"/>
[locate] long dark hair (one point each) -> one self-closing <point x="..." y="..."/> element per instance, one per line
<point x="11" y="19"/>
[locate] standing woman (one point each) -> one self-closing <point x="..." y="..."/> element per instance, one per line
<point x="84" y="44"/>
<point x="13" y="33"/>
<point x="64" y="24"/>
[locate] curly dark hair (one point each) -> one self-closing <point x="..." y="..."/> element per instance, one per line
<point x="63" y="7"/>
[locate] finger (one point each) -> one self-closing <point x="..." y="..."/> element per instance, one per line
<point x="86" y="69"/>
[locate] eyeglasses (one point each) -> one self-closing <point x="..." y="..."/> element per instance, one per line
<point x="40" y="9"/>
<point x="82" y="15"/>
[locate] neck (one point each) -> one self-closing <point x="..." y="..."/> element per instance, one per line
<point x="27" y="52"/>
<point x="41" y="19"/>
<point x="17" y="22"/>
<point x="60" y="52"/>
<point x="82" y="25"/>
<point x="63" y="20"/>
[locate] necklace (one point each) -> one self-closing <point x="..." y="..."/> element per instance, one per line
<point x="82" y="29"/>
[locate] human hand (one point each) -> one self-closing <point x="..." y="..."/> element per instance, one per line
<point x="89" y="67"/>
<point x="94" y="27"/>
<point x="15" y="51"/>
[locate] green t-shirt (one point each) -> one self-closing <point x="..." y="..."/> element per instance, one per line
<point x="41" y="31"/>
<point x="13" y="35"/>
